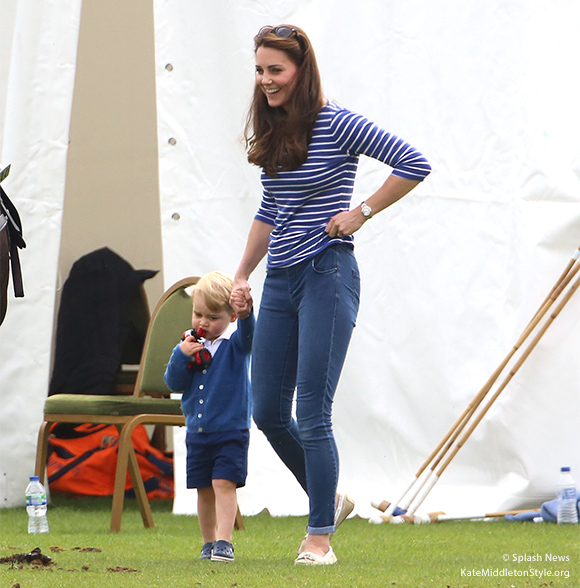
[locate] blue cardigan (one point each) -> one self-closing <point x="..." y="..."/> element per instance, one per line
<point x="219" y="397"/>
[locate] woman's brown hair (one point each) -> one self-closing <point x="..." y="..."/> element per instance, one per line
<point x="277" y="139"/>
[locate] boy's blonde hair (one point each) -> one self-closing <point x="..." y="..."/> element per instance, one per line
<point x="216" y="289"/>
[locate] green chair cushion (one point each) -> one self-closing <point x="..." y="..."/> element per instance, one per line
<point x="111" y="405"/>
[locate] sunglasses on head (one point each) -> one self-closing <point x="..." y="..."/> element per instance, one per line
<point x="283" y="32"/>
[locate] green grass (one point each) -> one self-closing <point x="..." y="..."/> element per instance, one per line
<point x="369" y="555"/>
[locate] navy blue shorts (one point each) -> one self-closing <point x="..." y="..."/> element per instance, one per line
<point x="217" y="456"/>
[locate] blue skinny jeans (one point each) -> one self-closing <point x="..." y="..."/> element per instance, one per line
<point x="307" y="314"/>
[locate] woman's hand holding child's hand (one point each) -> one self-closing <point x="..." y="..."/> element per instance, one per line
<point x="241" y="303"/>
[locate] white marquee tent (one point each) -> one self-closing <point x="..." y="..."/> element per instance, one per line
<point x="451" y="275"/>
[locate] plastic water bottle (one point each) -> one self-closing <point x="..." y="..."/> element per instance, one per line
<point x="36" y="506"/>
<point x="567" y="510"/>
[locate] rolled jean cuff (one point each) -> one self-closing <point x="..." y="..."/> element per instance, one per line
<point x="321" y="530"/>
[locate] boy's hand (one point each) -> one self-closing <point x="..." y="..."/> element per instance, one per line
<point x="241" y="303"/>
<point x="189" y="346"/>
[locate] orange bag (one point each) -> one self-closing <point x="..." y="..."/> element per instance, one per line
<point x="84" y="462"/>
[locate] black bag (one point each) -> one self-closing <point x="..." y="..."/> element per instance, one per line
<point x="102" y="323"/>
<point x="10" y="241"/>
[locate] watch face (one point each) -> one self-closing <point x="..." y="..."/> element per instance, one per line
<point x="366" y="210"/>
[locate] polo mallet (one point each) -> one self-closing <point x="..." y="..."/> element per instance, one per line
<point x="427" y="481"/>
<point x="434" y="477"/>
<point x="440" y="517"/>
<point x="429" y="485"/>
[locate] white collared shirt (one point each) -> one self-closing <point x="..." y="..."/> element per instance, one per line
<point x="212" y="346"/>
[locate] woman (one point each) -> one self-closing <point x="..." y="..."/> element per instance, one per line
<point x="308" y="148"/>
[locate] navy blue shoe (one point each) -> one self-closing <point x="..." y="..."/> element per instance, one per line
<point x="206" y="551"/>
<point x="222" y="551"/>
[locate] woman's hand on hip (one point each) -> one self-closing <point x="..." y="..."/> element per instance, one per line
<point x="345" y="223"/>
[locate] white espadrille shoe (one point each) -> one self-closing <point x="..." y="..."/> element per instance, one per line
<point x="306" y="558"/>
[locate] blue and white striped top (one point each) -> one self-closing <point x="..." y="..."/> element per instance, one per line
<point x="299" y="203"/>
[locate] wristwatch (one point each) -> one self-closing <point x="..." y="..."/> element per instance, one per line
<point x="366" y="210"/>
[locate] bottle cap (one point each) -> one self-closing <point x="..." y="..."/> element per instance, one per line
<point x="565" y="469"/>
<point x="35" y="478"/>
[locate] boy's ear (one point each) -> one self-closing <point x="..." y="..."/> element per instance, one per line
<point x="233" y="318"/>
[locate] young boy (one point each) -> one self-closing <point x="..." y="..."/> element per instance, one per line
<point x="216" y="403"/>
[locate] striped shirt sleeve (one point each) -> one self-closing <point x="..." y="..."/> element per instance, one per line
<point x="356" y="135"/>
<point x="268" y="210"/>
